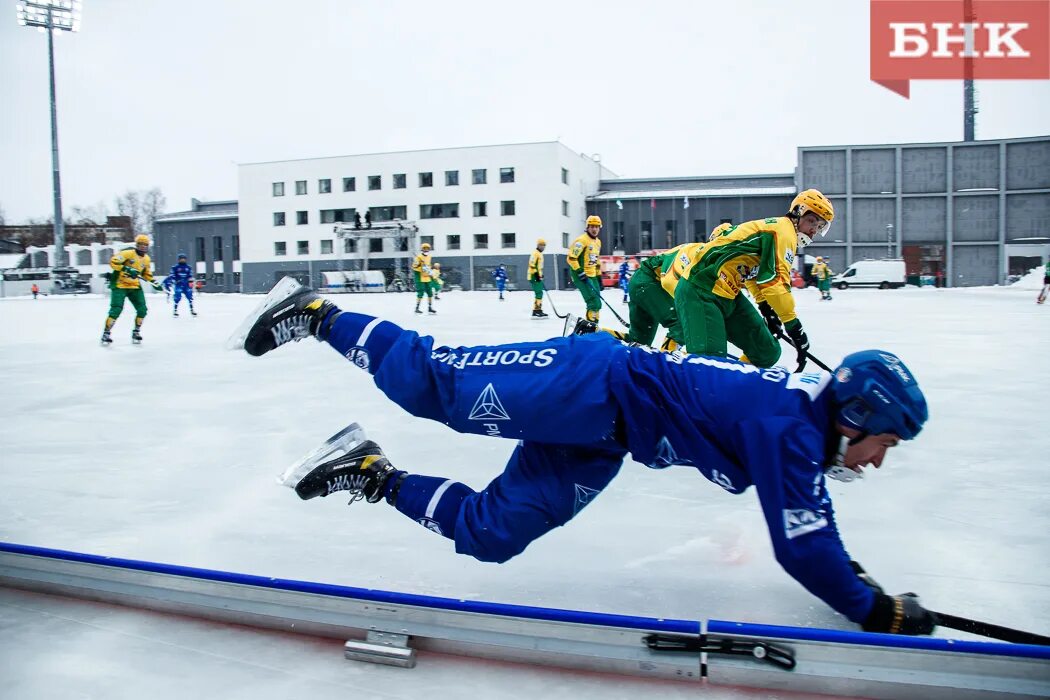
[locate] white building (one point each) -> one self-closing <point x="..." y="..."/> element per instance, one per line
<point x="478" y="207"/>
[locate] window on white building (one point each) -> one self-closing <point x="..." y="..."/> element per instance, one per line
<point x="426" y="179"/>
<point x="300" y="186"/>
<point x="481" y="208"/>
<point x="506" y="174"/>
<point x="564" y="208"/>
<point x="375" y="182"/>
<point x="324" y="185"/>
<point x="452" y="241"/>
<point x="400" y="181"/>
<point x="278" y="189"/>
<point x="439" y="211"/>
<point x="479" y="176"/>
<point x="349" y="184"/>
<point x="280" y="248"/>
<point x="278" y="220"/>
<point x="451" y="178"/>
<point x="507" y="240"/>
<point x="481" y="241"/>
<point x="564" y="176"/>
<point x="326" y="246"/>
<point x="506" y="207"/>
<point x="303" y="247"/>
<point x="302" y="218"/>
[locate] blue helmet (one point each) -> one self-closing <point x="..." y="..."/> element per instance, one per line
<point x="876" y="393"/>
<point x="180" y="256"/>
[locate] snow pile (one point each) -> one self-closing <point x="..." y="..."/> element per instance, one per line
<point x="1032" y="280"/>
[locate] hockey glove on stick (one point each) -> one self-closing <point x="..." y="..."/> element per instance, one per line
<point x="899" y="614"/>
<point x="799" y="339"/>
<point x="772" y="320"/>
<point x="131" y="272"/>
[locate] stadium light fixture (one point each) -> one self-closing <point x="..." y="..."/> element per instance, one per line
<point x="52" y="16"/>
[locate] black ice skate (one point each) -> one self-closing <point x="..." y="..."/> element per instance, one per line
<point x="430" y="310"/>
<point x="192" y="312"/>
<point x="362" y="471"/>
<point x="106" y="339"/>
<point x="175" y="313"/>
<point x="290" y="312"/>
<point x="136" y="337"/>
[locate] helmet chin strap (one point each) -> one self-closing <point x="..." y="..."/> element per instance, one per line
<point x="838" y="469"/>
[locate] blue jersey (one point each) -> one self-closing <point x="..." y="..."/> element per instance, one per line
<point x="181" y="275"/>
<point x="625" y="274"/>
<point x="737" y="424"/>
<point x="499" y="274"/>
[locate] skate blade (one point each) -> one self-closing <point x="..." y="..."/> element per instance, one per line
<point x="570" y="324"/>
<point x="281" y="291"/>
<point x="336" y="446"/>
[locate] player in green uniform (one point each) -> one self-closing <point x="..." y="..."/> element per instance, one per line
<point x="128" y="266"/>
<point x="535" y="275"/>
<point x="583" y="259"/>
<point x="710" y="305"/>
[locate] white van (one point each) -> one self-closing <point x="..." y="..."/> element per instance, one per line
<point x="884" y="274"/>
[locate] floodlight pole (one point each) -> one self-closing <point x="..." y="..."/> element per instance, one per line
<point x="60" y="225"/>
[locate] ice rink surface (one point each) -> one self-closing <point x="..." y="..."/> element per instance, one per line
<point x="169" y="451"/>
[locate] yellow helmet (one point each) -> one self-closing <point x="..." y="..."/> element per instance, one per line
<point x="594" y="220"/>
<point x="425" y="246"/>
<point x="142" y="239"/>
<point x="820" y="259"/>
<point x="541" y="241"/>
<point x="437" y="264"/>
<point x="812" y="201"/>
<point x="719" y="230"/>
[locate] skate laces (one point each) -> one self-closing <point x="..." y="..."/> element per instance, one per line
<point x="293" y="328"/>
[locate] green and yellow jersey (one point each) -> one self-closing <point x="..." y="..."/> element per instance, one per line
<point x="129" y="259"/>
<point x="583" y="255"/>
<point x="758" y="253"/>
<point x="535" y="266"/>
<point x="821" y="271"/>
<point x="421" y="266"/>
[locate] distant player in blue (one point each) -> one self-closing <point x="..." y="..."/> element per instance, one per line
<point x="625" y="276"/>
<point x="737" y="424"/>
<point x="181" y="277"/>
<point x="500" y="276"/>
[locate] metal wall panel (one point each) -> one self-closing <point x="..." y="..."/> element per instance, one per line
<point x="975" y="167"/>
<point x="1028" y="165"/>
<point x="824" y="170"/>
<point x="870" y="217"/>
<point x="975" y="218"/>
<point x="924" y="220"/>
<point x="975" y="265"/>
<point x="1027" y="215"/>
<point x="869" y="252"/>
<point x="874" y="171"/>
<point x="924" y="169"/>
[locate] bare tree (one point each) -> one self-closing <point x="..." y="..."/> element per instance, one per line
<point x="130" y="204"/>
<point x="153" y="203"/>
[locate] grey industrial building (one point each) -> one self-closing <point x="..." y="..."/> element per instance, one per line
<point x="965" y="213"/>
<point x="208" y="234"/>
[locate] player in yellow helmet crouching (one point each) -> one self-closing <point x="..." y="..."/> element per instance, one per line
<point x="712" y="311"/>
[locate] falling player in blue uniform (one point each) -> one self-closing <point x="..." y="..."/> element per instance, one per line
<point x="500" y="276"/>
<point x="181" y="277"/>
<point x="625" y="276"/>
<point x="739" y="425"/>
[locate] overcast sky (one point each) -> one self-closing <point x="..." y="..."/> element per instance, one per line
<point x="174" y="93"/>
